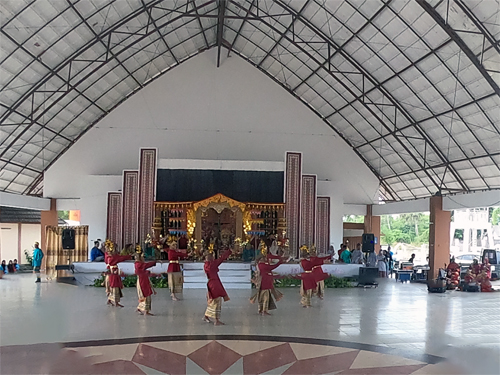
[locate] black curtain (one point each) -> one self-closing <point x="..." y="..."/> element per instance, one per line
<point x="185" y="185"/>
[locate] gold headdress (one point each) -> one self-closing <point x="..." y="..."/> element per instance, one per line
<point x="138" y="249"/>
<point x="211" y="248"/>
<point x="109" y="245"/>
<point x="304" y="250"/>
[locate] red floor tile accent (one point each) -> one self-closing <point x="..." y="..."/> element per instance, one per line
<point x="394" y="370"/>
<point x="161" y="360"/>
<point x="323" y="365"/>
<point x="70" y="362"/>
<point x="214" y="357"/>
<point x="268" y="359"/>
<point x="118" y="367"/>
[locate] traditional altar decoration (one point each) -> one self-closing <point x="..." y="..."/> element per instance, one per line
<point x="220" y="221"/>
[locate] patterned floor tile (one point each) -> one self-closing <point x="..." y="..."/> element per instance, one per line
<point x="248" y="347"/>
<point x="279" y="370"/>
<point x="268" y="359"/>
<point x="214" y="357"/>
<point x="236" y="368"/>
<point x="439" y="369"/>
<point x="148" y="370"/>
<point x="116" y="367"/>
<point x="323" y="365"/>
<point x="193" y="369"/>
<point x="395" y="370"/>
<point x="305" y="351"/>
<point x="367" y="359"/>
<point x="180" y="347"/>
<point x="105" y="353"/>
<point x="161" y="360"/>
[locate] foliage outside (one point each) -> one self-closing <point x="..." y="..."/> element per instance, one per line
<point x="131" y="282"/>
<point x="410" y="228"/>
<point x="353" y="219"/>
<point x="331" y="282"/>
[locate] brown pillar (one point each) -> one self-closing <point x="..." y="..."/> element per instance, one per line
<point x="439" y="236"/>
<point x="372" y="225"/>
<point x="49" y="218"/>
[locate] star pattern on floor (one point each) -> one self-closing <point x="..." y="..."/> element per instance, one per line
<point x="214" y="357"/>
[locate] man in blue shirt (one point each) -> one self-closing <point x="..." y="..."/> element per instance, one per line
<point x="37" y="261"/>
<point x="96" y="255"/>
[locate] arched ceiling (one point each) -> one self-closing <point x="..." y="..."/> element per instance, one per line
<point x="411" y="86"/>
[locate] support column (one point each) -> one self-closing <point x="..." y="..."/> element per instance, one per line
<point x="48" y="218"/>
<point x="439" y="236"/>
<point x="372" y="225"/>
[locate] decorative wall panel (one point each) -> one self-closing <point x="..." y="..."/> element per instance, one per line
<point x="323" y="224"/>
<point x="147" y="192"/>
<point x="114" y="218"/>
<point x="308" y="210"/>
<point x="130" y="198"/>
<point x="293" y="175"/>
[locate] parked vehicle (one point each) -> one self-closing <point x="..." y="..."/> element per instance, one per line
<point x="466" y="259"/>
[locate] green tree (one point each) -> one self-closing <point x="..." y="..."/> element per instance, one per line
<point x="63" y="215"/>
<point x="354" y="219"/>
<point x="495" y="216"/>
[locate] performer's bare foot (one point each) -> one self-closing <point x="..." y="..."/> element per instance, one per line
<point x="206" y="319"/>
<point x="140" y="312"/>
<point x="148" y="313"/>
<point x="320" y="297"/>
<point x="218" y="323"/>
<point x="109" y="302"/>
<point x="118" y="305"/>
<point x="265" y="313"/>
<point x="174" y="298"/>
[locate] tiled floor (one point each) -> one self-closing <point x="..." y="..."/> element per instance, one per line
<point x="393" y="329"/>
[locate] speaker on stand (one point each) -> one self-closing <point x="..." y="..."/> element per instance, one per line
<point x="68" y="242"/>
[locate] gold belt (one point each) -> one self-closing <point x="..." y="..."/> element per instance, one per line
<point x="316" y="267"/>
<point x="308" y="271"/>
<point x="174" y="261"/>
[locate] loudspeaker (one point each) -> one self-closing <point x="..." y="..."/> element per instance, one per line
<point x="368" y="243"/>
<point x="68" y="239"/>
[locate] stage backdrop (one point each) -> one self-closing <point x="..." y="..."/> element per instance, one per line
<point x="185" y="185"/>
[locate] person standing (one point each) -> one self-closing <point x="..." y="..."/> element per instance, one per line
<point x="357" y="255"/>
<point x="175" y="280"/>
<point x="114" y="283"/>
<point x="319" y="275"/>
<point x="215" y="290"/>
<point x="382" y="266"/>
<point x="37" y="261"/>
<point x="144" y="287"/>
<point x="308" y="281"/>
<point x="346" y="255"/>
<point x="265" y="295"/>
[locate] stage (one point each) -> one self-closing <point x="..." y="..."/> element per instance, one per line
<point x="234" y="275"/>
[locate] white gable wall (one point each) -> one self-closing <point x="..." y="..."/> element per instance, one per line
<point x="199" y="111"/>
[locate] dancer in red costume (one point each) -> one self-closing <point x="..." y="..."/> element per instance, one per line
<point x="308" y="284"/>
<point x="216" y="292"/>
<point x="113" y="280"/>
<point x="266" y="287"/>
<point x="144" y="287"/>
<point x="319" y="275"/>
<point x="175" y="279"/>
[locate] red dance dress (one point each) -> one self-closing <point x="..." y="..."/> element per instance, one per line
<point x="142" y="272"/>
<point x="214" y="285"/>
<point x="174" y="256"/>
<point x="266" y="274"/>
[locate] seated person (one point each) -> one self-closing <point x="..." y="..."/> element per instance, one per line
<point x="16" y="265"/>
<point x="412" y="259"/>
<point x="96" y="255"/>
<point x="11" y="267"/>
<point x="3" y="267"/>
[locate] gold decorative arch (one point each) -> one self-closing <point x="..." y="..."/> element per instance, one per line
<point x="219" y="198"/>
